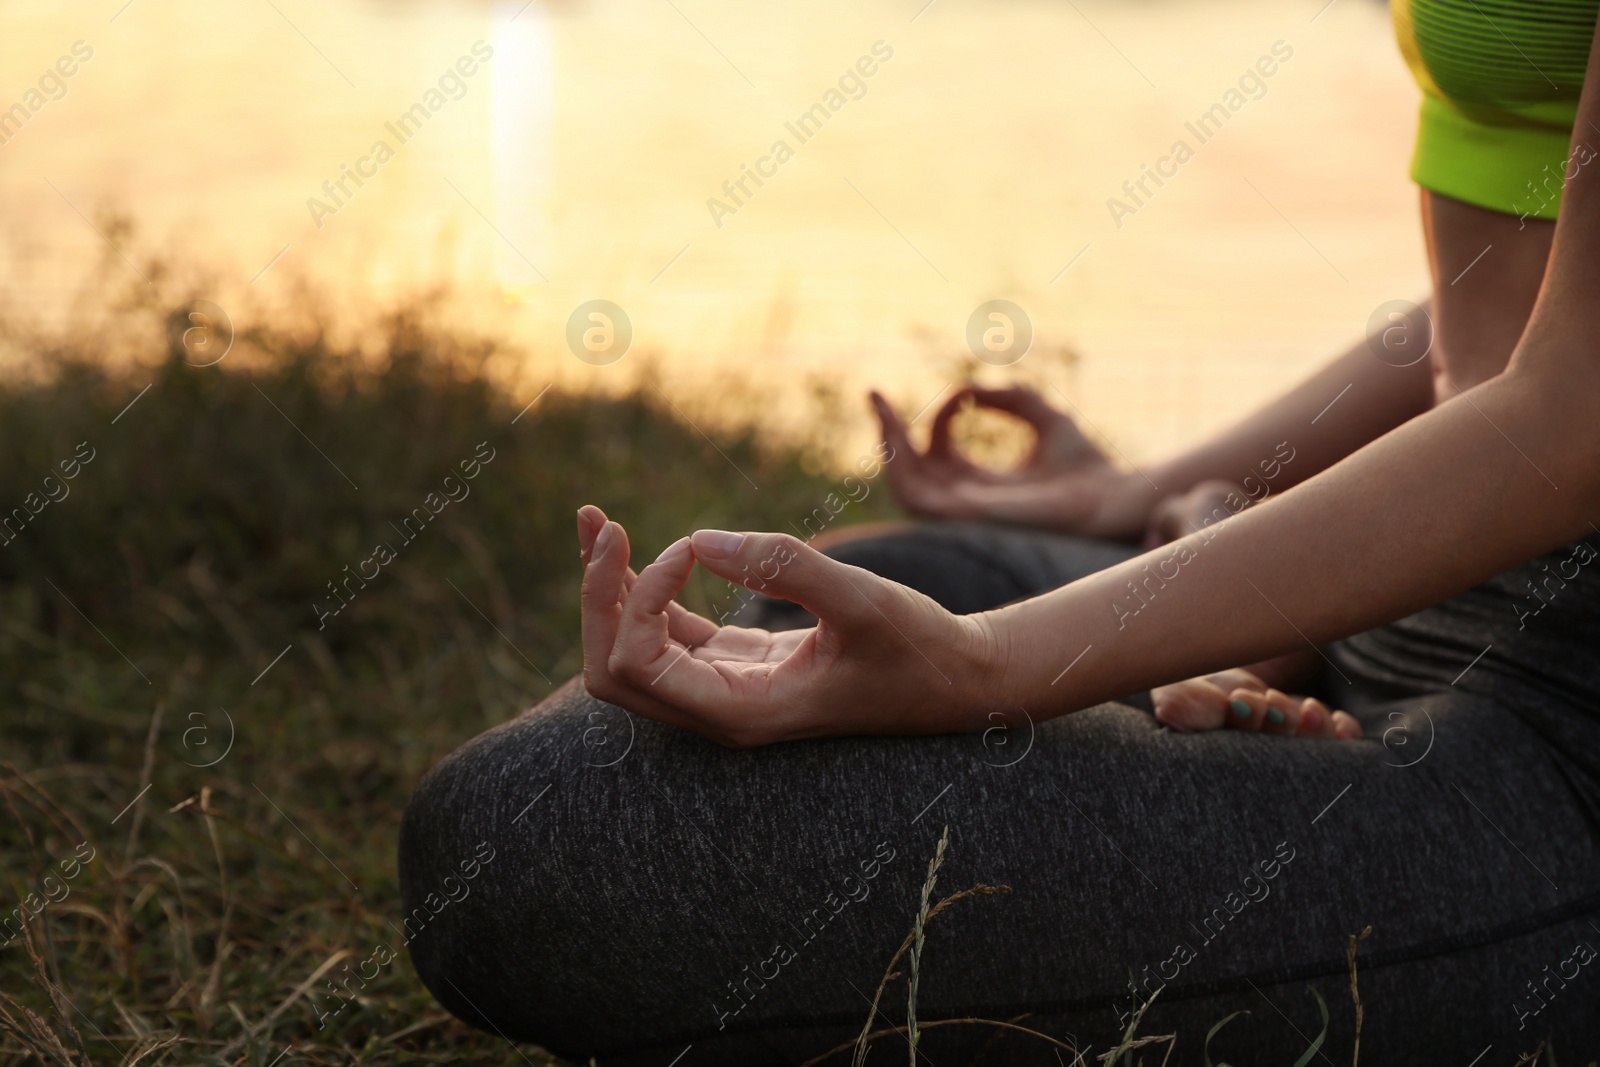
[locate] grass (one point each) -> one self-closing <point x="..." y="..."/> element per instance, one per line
<point x="142" y="617"/>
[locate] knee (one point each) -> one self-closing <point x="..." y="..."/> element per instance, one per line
<point x="472" y="862"/>
<point x="499" y="872"/>
<point x="446" y="863"/>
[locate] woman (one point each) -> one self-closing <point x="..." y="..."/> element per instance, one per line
<point x="662" y="899"/>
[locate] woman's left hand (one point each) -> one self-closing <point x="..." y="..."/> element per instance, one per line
<point x="1182" y="514"/>
<point x="882" y="659"/>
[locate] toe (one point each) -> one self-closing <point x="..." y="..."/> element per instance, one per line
<point x="1247" y="709"/>
<point x="1189" y="706"/>
<point x="1282" y="713"/>
<point x="1315" y="718"/>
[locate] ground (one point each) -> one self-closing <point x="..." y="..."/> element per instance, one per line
<point x="169" y="606"/>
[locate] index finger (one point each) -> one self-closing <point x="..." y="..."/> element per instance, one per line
<point x="1018" y="400"/>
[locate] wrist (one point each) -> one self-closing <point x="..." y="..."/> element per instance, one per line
<point x="983" y="662"/>
<point x="1058" y="652"/>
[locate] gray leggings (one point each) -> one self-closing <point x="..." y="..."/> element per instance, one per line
<point x="606" y="886"/>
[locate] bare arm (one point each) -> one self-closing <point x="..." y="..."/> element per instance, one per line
<point x="1369" y="397"/>
<point x="1483" y="481"/>
<point x="1069" y="484"/>
<point x="1436" y="505"/>
<point x="1488" y="479"/>
<point x="1424" y="512"/>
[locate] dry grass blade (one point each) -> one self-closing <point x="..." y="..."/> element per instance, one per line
<point x="251" y="1031"/>
<point x="162" y="866"/>
<point x="46" y="805"/>
<point x="144" y="779"/>
<point x="1530" y="1057"/>
<point x="208" y="995"/>
<point x="58" y="999"/>
<point x="215" y="599"/>
<point x="929" y="1025"/>
<point x="423" y="1024"/>
<point x="132" y="1021"/>
<point x="1127" y="1043"/>
<point x="917" y="932"/>
<point x="890" y="974"/>
<point x="1355" y="993"/>
<point x="34" y="1034"/>
<point x="995" y="1038"/>
<point x="120" y="908"/>
<point x="1140" y="1042"/>
<point x="68" y="908"/>
<point x="143" y="1051"/>
<point x="27" y="831"/>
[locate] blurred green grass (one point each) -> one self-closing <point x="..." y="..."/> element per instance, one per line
<point x="139" y="614"/>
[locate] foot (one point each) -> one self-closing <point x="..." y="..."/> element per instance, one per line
<point x="1237" y="699"/>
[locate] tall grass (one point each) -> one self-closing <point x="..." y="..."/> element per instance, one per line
<point x="142" y="617"/>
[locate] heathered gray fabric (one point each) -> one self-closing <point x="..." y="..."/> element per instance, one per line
<point x="650" y="892"/>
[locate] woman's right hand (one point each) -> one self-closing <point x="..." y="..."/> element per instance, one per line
<point x="1066" y="482"/>
<point x="882" y="659"/>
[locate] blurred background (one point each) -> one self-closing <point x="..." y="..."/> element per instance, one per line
<point x="262" y="363"/>
<point x="578" y="162"/>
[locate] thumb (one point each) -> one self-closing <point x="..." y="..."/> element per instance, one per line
<point x="785" y="567"/>
<point x="894" y="431"/>
<point x="903" y="467"/>
<point x="939" y="440"/>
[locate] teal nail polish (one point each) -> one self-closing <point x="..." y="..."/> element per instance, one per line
<point x="1275" y="716"/>
<point x="1239" y="708"/>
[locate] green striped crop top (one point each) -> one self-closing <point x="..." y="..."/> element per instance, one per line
<point x="1500" y="82"/>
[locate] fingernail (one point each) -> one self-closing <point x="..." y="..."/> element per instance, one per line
<point x="1239" y="708"/>
<point x="674" y="551"/>
<point x="718" y="544"/>
<point x="602" y="541"/>
<point x="1275" y="716"/>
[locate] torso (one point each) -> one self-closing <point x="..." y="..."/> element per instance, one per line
<point x="1487" y="268"/>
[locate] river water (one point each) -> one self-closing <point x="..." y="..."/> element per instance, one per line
<point x="537" y="157"/>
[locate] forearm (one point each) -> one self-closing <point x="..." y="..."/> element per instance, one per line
<point x="1368" y="398"/>
<point x="1441" y="502"/>
<point x="1407" y="521"/>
